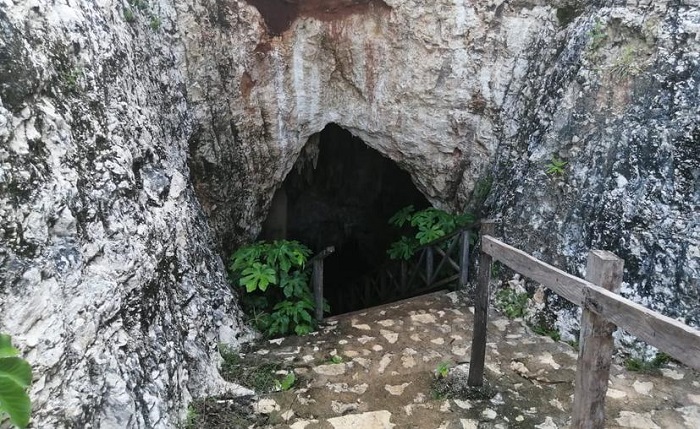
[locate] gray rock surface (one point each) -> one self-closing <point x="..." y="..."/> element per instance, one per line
<point x="138" y="139"/>
<point x="618" y="99"/>
<point x="475" y="100"/>
<point x="107" y="279"/>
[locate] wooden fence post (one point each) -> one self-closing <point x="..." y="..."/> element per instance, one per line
<point x="318" y="288"/>
<point x="604" y="269"/>
<point x="464" y="260"/>
<point x="481" y="310"/>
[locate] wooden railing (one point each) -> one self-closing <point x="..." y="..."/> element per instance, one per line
<point x="603" y="310"/>
<point x="433" y="266"/>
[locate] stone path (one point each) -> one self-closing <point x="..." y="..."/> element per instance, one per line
<point x="385" y="368"/>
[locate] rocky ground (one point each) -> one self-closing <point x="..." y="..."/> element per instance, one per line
<point x="378" y="369"/>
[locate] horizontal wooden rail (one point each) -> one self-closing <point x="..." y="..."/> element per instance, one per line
<point x="322" y="254"/>
<point x="671" y="336"/>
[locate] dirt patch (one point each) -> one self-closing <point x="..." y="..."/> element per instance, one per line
<point x="280" y="14"/>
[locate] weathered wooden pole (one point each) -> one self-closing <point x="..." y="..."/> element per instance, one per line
<point x="464" y="260"/>
<point x="481" y="310"/>
<point x="595" y="346"/>
<point x="317" y="280"/>
<point x="318" y="288"/>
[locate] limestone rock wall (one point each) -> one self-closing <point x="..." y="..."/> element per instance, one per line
<point x="616" y="96"/>
<point x="475" y="99"/>
<point x="108" y="282"/>
<point x="421" y="82"/>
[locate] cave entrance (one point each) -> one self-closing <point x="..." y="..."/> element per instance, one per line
<point x="341" y="193"/>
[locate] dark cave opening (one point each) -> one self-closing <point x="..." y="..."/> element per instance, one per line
<point x="341" y="193"/>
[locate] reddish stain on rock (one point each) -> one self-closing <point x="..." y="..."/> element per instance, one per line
<point x="247" y="84"/>
<point x="280" y="14"/>
<point x="263" y="48"/>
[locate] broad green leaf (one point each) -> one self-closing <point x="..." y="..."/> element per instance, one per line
<point x="427" y="235"/>
<point x="15" y="402"/>
<point x="15" y="377"/>
<point x="295" y="284"/>
<point x="246" y="256"/>
<point x="424" y="218"/>
<point x="283" y="305"/>
<point x="306" y="316"/>
<point x="287" y="382"/>
<point x="6" y="349"/>
<point x="302" y="329"/>
<point x="465" y="219"/>
<point x="403" y="249"/>
<point x="257" y="276"/>
<point x="17" y="370"/>
<point x="401" y="217"/>
<point x="286" y="254"/>
<point x="277" y="256"/>
<point x="304" y="304"/>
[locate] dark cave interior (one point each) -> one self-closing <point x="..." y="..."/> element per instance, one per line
<point x="344" y="201"/>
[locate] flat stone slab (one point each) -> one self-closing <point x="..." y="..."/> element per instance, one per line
<point x="370" y="420"/>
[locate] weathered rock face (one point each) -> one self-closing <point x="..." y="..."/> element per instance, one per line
<point x="108" y="282"/>
<point x="123" y="127"/>
<point x="472" y="97"/>
<point x="618" y="99"/>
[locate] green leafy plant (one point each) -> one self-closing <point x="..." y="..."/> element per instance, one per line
<point x="512" y="303"/>
<point x="258" y="276"/>
<point x="129" y="15"/>
<point x="288" y="316"/>
<point x="482" y="189"/>
<point x="287" y="307"/>
<point x="425" y="226"/>
<point x="155" y="23"/>
<point x="190" y="421"/>
<point x="574" y="344"/>
<point x="647" y="366"/>
<point x="597" y="35"/>
<point x="556" y="166"/>
<point x="70" y="78"/>
<point x="546" y="331"/>
<point x="626" y="64"/>
<point x="404" y="248"/>
<point x="496" y="269"/>
<point x="139" y="4"/>
<point x="287" y="382"/>
<point x="442" y="370"/>
<point x="336" y="359"/>
<point x="15" y="378"/>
